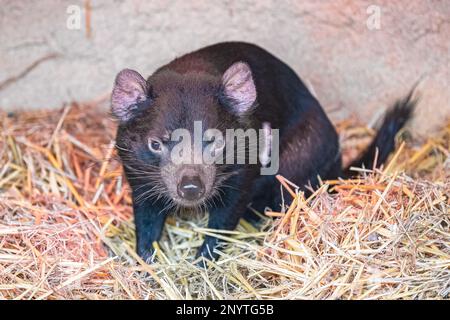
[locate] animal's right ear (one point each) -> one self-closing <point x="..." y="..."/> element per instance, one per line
<point x="238" y="88"/>
<point x="129" y="92"/>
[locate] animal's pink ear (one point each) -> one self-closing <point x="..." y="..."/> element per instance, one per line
<point x="130" y="89"/>
<point x="239" y="88"/>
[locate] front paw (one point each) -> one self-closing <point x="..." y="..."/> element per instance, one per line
<point x="207" y="251"/>
<point x="146" y="254"/>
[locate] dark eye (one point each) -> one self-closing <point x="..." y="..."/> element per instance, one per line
<point x="155" y="145"/>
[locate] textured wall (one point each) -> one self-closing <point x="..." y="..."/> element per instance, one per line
<point x="351" y="68"/>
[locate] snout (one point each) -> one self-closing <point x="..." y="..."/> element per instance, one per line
<point x="191" y="188"/>
<point x="189" y="185"/>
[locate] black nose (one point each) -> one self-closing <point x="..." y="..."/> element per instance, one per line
<point x="191" y="188"/>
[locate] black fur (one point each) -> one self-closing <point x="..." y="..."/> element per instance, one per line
<point x="188" y="89"/>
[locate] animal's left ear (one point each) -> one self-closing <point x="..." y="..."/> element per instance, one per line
<point x="238" y="88"/>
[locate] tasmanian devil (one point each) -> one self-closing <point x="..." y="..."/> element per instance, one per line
<point x="226" y="86"/>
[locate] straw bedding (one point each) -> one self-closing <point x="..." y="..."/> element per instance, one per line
<point x="66" y="229"/>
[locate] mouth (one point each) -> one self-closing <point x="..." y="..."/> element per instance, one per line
<point x="189" y="203"/>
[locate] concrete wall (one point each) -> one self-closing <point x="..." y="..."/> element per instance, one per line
<point x="352" y="68"/>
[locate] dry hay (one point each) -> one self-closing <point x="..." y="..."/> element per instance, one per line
<point x="66" y="228"/>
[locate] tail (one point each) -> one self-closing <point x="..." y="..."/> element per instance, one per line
<point x="384" y="141"/>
